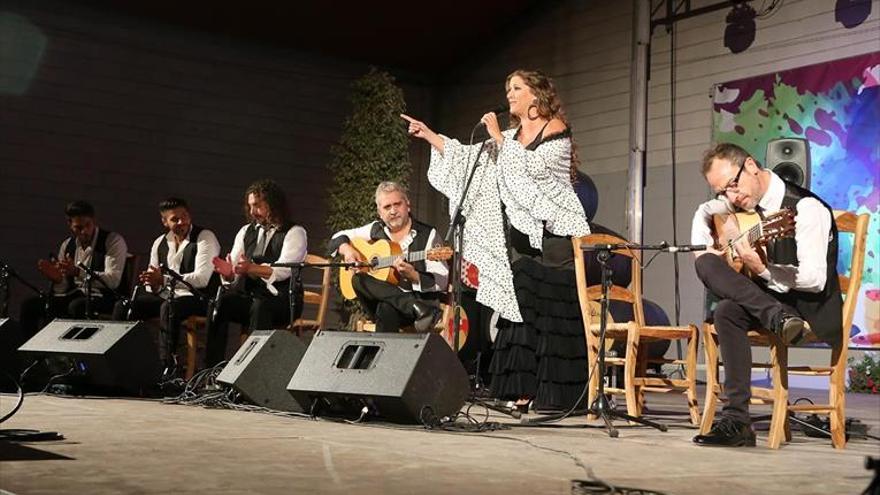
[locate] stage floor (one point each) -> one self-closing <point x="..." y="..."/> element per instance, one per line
<point x="143" y="446"/>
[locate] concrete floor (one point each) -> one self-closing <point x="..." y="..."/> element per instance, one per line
<point x="142" y="446"/>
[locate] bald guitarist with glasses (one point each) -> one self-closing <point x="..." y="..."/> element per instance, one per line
<point x="793" y="277"/>
<point x="412" y="300"/>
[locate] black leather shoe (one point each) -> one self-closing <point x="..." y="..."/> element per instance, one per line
<point x="789" y="328"/>
<point x="727" y="432"/>
<point x="425" y="315"/>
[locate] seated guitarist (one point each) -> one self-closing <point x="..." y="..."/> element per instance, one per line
<point x="413" y="301"/>
<point x="797" y="282"/>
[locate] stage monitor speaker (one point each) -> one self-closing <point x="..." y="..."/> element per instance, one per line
<point x="117" y="355"/>
<point x="11" y="339"/>
<point x="403" y="378"/>
<point x="789" y="158"/>
<point x="262" y="368"/>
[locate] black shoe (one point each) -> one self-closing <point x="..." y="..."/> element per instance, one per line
<point x="727" y="432"/>
<point x="425" y="315"/>
<point x="789" y="328"/>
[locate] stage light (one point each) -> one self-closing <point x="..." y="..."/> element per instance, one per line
<point x="740" y="31"/>
<point x="851" y="13"/>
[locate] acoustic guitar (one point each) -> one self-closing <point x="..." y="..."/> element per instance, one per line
<point x="380" y="255"/>
<point x="754" y="230"/>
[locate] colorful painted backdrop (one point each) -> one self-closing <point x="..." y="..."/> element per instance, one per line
<point x="836" y="107"/>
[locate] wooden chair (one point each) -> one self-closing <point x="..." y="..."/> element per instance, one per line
<point x="442" y="327"/>
<point x="314" y="295"/>
<point x="847" y="222"/>
<point x="635" y="333"/>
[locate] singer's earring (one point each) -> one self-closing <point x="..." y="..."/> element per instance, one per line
<point x="529" y="112"/>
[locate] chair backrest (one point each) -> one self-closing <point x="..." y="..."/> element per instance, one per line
<point x="590" y="293"/>
<point x="129" y="275"/>
<point x="856" y="225"/>
<point x="318" y="295"/>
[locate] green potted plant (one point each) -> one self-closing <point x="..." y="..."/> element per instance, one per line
<point x="373" y="148"/>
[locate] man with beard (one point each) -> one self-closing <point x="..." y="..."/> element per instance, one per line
<point x="99" y="249"/>
<point x="188" y="250"/>
<point x="258" y="293"/>
<point x="413" y="301"/>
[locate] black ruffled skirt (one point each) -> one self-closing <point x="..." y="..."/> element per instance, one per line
<point x="545" y="357"/>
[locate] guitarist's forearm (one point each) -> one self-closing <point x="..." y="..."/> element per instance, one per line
<point x="336" y="243"/>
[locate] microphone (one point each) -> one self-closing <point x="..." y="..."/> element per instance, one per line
<point x="500" y="109"/>
<point x="685" y="248"/>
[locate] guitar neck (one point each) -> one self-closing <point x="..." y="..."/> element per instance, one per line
<point x="385" y="261"/>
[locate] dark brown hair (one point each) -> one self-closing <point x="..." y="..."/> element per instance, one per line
<point x="79" y="208"/>
<point x="549" y="106"/>
<point x="172" y="203"/>
<point x="726" y="151"/>
<point x="271" y="192"/>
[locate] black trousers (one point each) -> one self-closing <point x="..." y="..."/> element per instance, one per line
<point x="253" y="311"/>
<point x="743" y="305"/>
<point x="148" y="305"/>
<point x="387" y="305"/>
<point x="36" y="312"/>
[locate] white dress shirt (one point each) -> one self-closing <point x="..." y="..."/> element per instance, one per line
<point x="293" y="250"/>
<point x="114" y="264"/>
<point x="812" y="234"/>
<point x="436" y="268"/>
<point x="207" y="248"/>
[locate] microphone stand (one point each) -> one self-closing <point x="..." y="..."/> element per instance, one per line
<point x="93" y="275"/>
<point x="6" y="273"/>
<point x="455" y="237"/>
<point x="600" y="406"/>
<point x="296" y="278"/>
<point x="177" y="278"/>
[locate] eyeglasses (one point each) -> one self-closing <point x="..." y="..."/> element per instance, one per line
<point x="733" y="183"/>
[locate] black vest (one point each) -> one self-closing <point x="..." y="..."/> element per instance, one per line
<point x="97" y="262"/>
<point x="188" y="261"/>
<point x="257" y="287"/>
<point x="823" y="309"/>
<point x="419" y="243"/>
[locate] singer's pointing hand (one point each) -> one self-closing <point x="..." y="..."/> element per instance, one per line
<point x="492" y="127"/>
<point x="418" y="129"/>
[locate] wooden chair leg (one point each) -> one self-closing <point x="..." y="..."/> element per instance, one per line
<point x="641" y="371"/>
<point x="593" y="378"/>
<point x="779" y="362"/>
<point x="191" y="351"/>
<point x="629" y="370"/>
<point x="837" y="400"/>
<point x="710" y="345"/>
<point x="691" y="370"/>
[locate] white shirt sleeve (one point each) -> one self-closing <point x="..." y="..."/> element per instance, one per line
<point x="61" y="287"/>
<point x="154" y="259"/>
<point x="236" y="252"/>
<point x="812" y="233"/>
<point x="701" y="226"/>
<point x="207" y="248"/>
<point x="114" y="260"/>
<point x="438" y="269"/>
<point x="362" y="232"/>
<point x="293" y="250"/>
